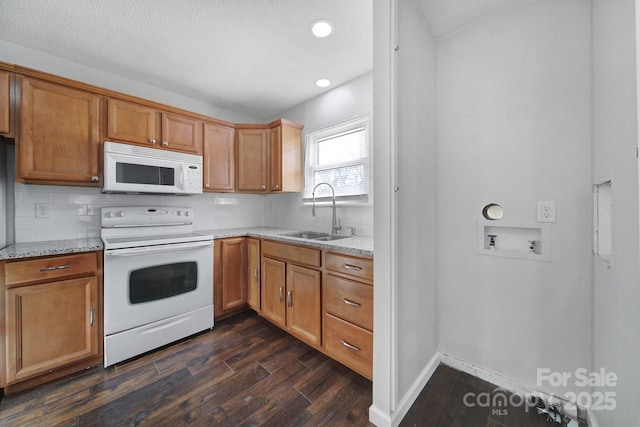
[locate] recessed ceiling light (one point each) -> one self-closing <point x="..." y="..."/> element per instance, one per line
<point x="323" y="83"/>
<point x="321" y="28"/>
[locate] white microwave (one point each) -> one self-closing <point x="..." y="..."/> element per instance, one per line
<point x="133" y="169"/>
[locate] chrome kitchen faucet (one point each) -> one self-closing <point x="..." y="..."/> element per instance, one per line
<point x="335" y="226"/>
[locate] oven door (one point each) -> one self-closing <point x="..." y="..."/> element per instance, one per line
<point x="146" y="284"/>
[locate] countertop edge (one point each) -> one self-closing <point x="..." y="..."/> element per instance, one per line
<point x="356" y="245"/>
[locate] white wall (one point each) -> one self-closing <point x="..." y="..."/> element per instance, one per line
<point x="615" y="135"/>
<point x="514" y="128"/>
<point x="416" y="309"/>
<point x="405" y="297"/>
<point x="14" y="54"/>
<point x="340" y="104"/>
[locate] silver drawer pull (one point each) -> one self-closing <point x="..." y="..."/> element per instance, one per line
<point x="58" y="267"/>
<point x="281" y="294"/>
<point x="352" y="267"/>
<point x="92" y="314"/>
<point x="350" y="346"/>
<point x="289" y="299"/>
<point x="349" y="302"/>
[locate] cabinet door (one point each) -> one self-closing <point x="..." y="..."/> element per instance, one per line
<point x="181" y="133"/>
<point x="131" y="122"/>
<point x="234" y="268"/>
<point x="50" y="326"/>
<point x="291" y="158"/>
<point x="253" y="273"/>
<point x="303" y="303"/>
<point x="285" y="158"/>
<point x="275" y="162"/>
<point x="219" y="158"/>
<point x="252" y="159"/>
<point x="5" y="103"/>
<point x="273" y="290"/>
<point x="59" y="133"/>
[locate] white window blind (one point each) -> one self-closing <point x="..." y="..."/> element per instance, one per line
<point x="339" y="155"/>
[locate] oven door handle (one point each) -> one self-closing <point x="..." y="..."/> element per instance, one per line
<point x="144" y="250"/>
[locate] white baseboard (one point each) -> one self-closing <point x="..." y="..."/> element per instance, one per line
<point x="382" y="419"/>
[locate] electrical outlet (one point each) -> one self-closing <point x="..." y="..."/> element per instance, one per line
<point x="546" y="211"/>
<point x="42" y="210"/>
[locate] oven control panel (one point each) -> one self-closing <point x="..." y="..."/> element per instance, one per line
<point x="141" y="216"/>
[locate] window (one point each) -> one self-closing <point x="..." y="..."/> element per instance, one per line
<point x="339" y="155"/>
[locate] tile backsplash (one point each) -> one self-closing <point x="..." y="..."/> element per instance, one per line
<point x="74" y="212"/>
<point x="287" y="210"/>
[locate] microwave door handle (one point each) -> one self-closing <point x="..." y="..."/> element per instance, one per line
<point x="183" y="184"/>
<point x="145" y="250"/>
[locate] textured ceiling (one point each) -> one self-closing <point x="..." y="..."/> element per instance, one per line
<point x="446" y="16"/>
<point x="255" y="57"/>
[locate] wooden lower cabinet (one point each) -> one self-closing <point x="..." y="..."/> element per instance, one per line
<point x="348" y="311"/>
<point x="51" y="309"/>
<point x="349" y="344"/>
<point x="273" y="290"/>
<point x="303" y="303"/>
<point x="253" y="274"/>
<point x="51" y="325"/>
<point x="229" y="276"/>
<point x="291" y="298"/>
<point x="321" y="297"/>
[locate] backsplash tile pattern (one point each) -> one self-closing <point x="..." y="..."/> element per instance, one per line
<point x="75" y="211"/>
<point x="286" y="210"/>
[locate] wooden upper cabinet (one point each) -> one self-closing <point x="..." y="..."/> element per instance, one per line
<point x="59" y="134"/>
<point x="218" y="158"/>
<point x="181" y="133"/>
<point x="138" y="124"/>
<point x="252" y="159"/>
<point x="131" y="122"/>
<point x="285" y="150"/>
<point x="6" y="104"/>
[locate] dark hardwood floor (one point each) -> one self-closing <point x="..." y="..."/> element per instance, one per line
<point x="453" y="398"/>
<point x="245" y="372"/>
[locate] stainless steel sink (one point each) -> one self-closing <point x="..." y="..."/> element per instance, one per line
<point x="314" y="235"/>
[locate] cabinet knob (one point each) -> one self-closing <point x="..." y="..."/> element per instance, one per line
<point x="264" y="187"/>
<point x="277" y="186"/>
<point x="152" y="140"/>
<point x="95" y="178"/>
<point x="165" y="143"/>
<point x="207" y="186"/>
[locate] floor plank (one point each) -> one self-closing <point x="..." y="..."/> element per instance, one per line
<point x="244" y="372"/>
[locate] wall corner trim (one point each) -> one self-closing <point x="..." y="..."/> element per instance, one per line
<point x="382" y="419"/>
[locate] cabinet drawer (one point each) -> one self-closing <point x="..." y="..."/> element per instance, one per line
<point x="349" y="344"/>
<point x="349" y="300"/>
<point x="40" y="269"/>
<point x="297" y="254"/>
<point x="353" y="266"/>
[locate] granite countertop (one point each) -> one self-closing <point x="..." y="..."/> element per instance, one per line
<point x="357" y="245"/>
<point x="53" y="247"/>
